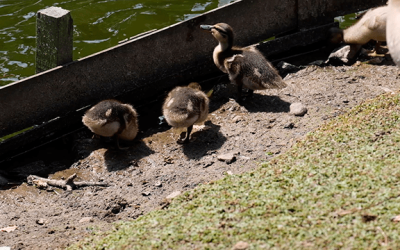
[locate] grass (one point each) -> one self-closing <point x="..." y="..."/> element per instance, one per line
<point x="338" y="188"/>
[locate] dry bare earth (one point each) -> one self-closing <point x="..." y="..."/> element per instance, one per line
<point x="156" y="166"/>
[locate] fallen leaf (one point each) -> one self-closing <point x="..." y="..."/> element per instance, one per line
<point x="86" y="219"/>
<point x="396" y="218"/>
<point x="241" y="245"/>
<point x="8" y="229"/>
<point x="174" y="194"/>
<point x="346" y="212"/>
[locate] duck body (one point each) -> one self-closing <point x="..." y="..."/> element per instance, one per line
<point x="185" y="106"/>
<point x="372" y="26"/>
<point x="393" y="30"/>
<point x="246" y="67"/>
<point x="111" y="118"/>
<point x="249" y="66"/>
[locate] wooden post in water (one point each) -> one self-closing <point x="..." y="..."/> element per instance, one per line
<point x="54" y="38"/>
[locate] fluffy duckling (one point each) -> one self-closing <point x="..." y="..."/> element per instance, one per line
<point x="185" y="106"/>
<point x="393" y="30"/>
<point x="111" y="118"/>
<point x="372" y="26"/>
<point x="245" y="66"/>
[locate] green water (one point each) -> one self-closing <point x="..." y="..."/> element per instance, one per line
<point x="98" y="24"/>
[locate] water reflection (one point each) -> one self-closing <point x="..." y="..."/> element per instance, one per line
<point x="98" y="24"/>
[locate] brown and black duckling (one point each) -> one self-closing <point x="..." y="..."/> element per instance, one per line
<point x="245" y="66"/>
<point x="185" y="106"/>
<point x="393" y="30"/>
<point x="371" y="26"/>
<point x="111" y="118"/>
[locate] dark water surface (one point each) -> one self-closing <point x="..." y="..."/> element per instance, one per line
<point x="98" y="24"/>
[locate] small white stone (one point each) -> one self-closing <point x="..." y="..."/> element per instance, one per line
<point x="228" y="157"/>
<point x="86" y="219"/>
<point x="40" y="221"/>
<point x="298" y="109"/>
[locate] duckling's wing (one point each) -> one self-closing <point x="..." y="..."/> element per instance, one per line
<point x="258" y="71"/>
<point x="233" y="65"/>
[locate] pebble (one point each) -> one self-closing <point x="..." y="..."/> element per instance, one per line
<point x="228" y="157"/>
<point x="146" y="193"/>
<point x="241" y="245"/>
<point x="286" y="68"/>
<point x="158" y="184"/>
<point x="173" y="195"/>
<point x="298" y="109"/>
<point x="289" y="125"/>
<point x="86" y="219"/>
<point x="343" y="55"/>
<point x="237" y="119"/>
<point x="206" y="165"/>
<point x="376" y="60"/>
<point x="40" y="221"/>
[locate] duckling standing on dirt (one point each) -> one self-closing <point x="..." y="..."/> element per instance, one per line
<point x="372" y="26"/>
<point x="111" y="118"/>
<point x="393" y="30"/>
<point x="185" y="106"/>
<point x="245" y="66"/>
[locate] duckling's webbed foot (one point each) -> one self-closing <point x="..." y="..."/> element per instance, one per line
<point x="187" y="138"/>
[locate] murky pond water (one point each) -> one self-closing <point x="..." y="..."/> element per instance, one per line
<point x="98" y="24"/>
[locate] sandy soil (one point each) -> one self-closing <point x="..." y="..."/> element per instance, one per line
<point x="155" y="165"/>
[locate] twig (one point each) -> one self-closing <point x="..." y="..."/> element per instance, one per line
<point x="384" y="236"/>
<point x="67" y="184"/>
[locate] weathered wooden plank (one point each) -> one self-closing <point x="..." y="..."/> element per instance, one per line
<point x="319" y="12"/>
<point x="170" y="56"/>
<point x="54" y="38"/>
<point x="72" y="121"/>
<point x="144" y="68"/>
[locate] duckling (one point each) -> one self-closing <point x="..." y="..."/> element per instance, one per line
<point x="371" y="26"/>
<point x="185" y="106"/>
<point x="245" y="66"/>
<point x="111" y="118"/>
<point x="393" y="30"/>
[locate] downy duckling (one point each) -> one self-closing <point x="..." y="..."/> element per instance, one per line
<point x="372" y="26"/>
<point x="111" y="118"/>
<point x="185" y="106"/>
<point x="393" y="30"/>
<point x="245" y="66"/>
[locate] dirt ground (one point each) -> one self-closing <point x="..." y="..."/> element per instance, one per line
<point x="155" y="166"/>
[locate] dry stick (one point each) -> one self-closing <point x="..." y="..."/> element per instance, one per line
<point x="356" y="210"/>
<point x="384" y="236"/>
<point x="67" y="184"/>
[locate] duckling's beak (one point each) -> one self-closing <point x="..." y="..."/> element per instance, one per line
<point x="206" y="27"/>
